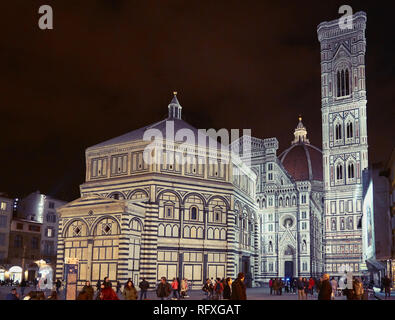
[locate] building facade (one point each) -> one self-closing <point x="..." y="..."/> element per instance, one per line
<point x="195" y="218"/>
<point x="24" y="249"/>
<point x="344" y="141"/>
<point x="289" y="197"/>
<point x="41" y="208"/>
<point x="5" y="222"/>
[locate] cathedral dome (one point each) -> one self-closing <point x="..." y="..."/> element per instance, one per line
<point x="302" y="160"/>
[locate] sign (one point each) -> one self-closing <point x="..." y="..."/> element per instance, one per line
<point x="71" y="260"/>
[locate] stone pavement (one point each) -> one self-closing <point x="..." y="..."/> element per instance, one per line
<point x="252" y="294"/>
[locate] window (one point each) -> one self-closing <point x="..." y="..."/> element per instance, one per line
<point x="270" y="176"/>
<point x="339" y="172"/>
<point x="351" y="171"/>
<point x="270" y="166"/>
<point x="304" y="215"/>
<point x="34" y="228"/>
<point x="304" y="198"/>
<point x="270" y="266"/>
<point x="217" y="215"/>
<point x="169" y="211"/>
<point x="3" y="206"/>
<point x="49" y="232"/>
<point x="343" y="83"/>
<point x="18" y="241"/>
<point x="349" y="130"/>
<point x="338" y="131"/>
<point x="51" y="205"/>
<point x="270" y="202"/>
<point x="304" y="225"/>
<point x="3" y="221"/>
<point x="51" y="217"/>
<point x="99" y="168"/>
<point x="193" y="213"/>
<point x="270" y="227"/>
<point x="34" y="243"/>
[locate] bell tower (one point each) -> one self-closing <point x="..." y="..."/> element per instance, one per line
<point x="344" y="140"/>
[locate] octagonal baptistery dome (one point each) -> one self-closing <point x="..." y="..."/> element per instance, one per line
<point x="302" y="160"/>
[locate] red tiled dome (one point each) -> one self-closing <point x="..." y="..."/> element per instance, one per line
<point x="303" y="162"/>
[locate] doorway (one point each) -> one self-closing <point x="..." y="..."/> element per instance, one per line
<point x="288" y="269"/>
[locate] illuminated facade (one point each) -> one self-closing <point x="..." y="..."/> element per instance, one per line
<point x="344" y="141"/>
<point x="135" y="219"/>
<point x="289" y="197"/>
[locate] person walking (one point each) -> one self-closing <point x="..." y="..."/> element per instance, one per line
<point x="239" y="290"/>
<point x="184" y="288"/>
<point x="23" y="287"/>
<point x="275" y="286"/>
<point x="271" y="286"/>
<point x="280" y="286"/>
<point x="207" y="289"/>
<point x="87" y="290"/>
<point x="98" y="292"/>
<point x="118" y="286"/>
<point x="334" y="287"/>
<point x="311" y="286"/>
<point x="164" y="289"/>
<point x="98" y="285"/>
<point x="300" y="285"/>
<point x="174" y="289"/>
<point x="218" y="289"/>
<point x="387" y="286"/>
<point x="325" y="288"/>
<point x="227" y="289"/>
<point x="144" y="285"/>
<point x="58" y="284"/>
<point x="129" y="291"/>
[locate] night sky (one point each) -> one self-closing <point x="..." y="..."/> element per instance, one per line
<point x="109" y="67"/>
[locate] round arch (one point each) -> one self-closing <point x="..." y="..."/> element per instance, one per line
<point x="133" y="192"/>
<point x="194" y="194"/>
<point x="69" y="223"/>
<point x="94" y="226"/>
<point x="219" y="197"/>
<point x="169" y="191"/>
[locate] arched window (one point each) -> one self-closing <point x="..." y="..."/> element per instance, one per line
<point x="339" y="172"/>
<point x="349" y="130"/>
<point x="343" y="83"/>
<point x="264" y="203"/>
<point x="351" y="171"/>
<point x="338" y="83"/>
<point x="338" y="131"/>
<point x="193" y="213"/>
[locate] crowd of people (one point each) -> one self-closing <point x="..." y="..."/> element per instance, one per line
<point x="213" y="289"/>
<point x="325" y="288"/>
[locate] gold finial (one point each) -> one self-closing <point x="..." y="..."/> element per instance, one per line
<point x="175" y="93"/>
<point x="300" y="118"/>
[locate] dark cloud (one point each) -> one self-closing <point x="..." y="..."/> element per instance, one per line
<point x="109" y="67"/>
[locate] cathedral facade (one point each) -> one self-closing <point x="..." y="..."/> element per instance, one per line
<point x="290" y="201"/>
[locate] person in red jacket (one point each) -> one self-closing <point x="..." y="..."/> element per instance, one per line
<point x="271" y="285"/>
<point x="311" y="286"/>
<point x="107" y="293"/>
